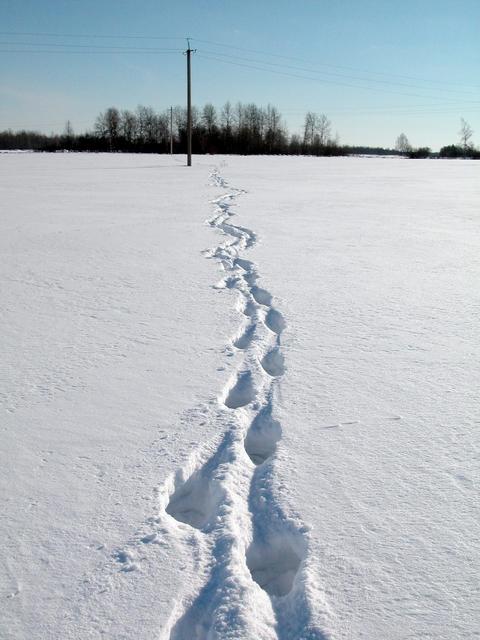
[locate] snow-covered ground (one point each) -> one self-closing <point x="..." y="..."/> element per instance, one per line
<point x="265" y="426"/>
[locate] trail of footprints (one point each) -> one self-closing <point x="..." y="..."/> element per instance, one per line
<point x="231" y="498"/>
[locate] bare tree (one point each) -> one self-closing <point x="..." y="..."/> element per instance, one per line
<point x="402" y="144"/>
<point x="128" y="125"/>
<point x="254" y="119"/>
<point x="317" y="130"/>
<point x="112" y="119"/>
<point x="274" y="130"/>
<point x="180" y="119"/>
<point x="309" y="128"/>
<point x="227" y="117"/>
<point x="209" y="118"/>
<point x="239" y="116"/>
<point x="100" y="126"/>
<point x="227" y="124"/>
<point x="146" y="123"/>
<point x="465" y="133"/>
<point x="323" y="129"/>
<point x="163" y="127"/>
<point x="107" y="125"/>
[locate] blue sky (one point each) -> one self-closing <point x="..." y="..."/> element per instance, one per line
<point x="375" y="67"/>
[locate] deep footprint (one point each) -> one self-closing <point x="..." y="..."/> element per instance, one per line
<point x="261" y="296"/>
<point x="275" y="321"/>
<point x="273" y="363"/>
<point x="193" y="502"/>
<point x="246" y="265"/>
<point x="274" y="565"/>
<point x="249" y="309"/>
<point x="250" y="279"/>
<point x="262" y="436"/>
<point x="242" y="393"/>
<point x="244" y="341"/>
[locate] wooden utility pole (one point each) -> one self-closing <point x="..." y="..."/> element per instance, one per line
<point x="171" y="130"/>
<point x="188" y="53"/>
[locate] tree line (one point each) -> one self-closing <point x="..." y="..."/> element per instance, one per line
<point x="465" y="148"/>
<point x="234" y="129"/>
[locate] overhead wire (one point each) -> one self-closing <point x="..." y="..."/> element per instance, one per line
<point x="386" y="112"/>
<point x="85" y="46"/>
<point x="332" y="66"/>
<point x="50" y="124"/>
<point x="244" y="49"/>
<point x="328" y="73"/>
<point x="89" y="35"/>
<point x="388" y="108"/>
<point x="229" y="46"/>
<point x="92" y="51"/>
<point x="363" y="83"/>
<point x="314" y="79"/>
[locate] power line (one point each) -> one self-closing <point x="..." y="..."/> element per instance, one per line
<point x="84" y="46"/>
<point x="331" y="66"/>
<point x="328" y="73"/>
<point x="381" y="107"/>
<point x="320" y="80"/>
<point x="89" y="35"/>
<point x="230" y="47"/>
<point x="413" y="113"/>
<point x="224" y="45"/>
<point x="91" y="52"/>
<point x="249" y="63"/>
<point x="51" y="124"/>
<point x="373" y="111"/>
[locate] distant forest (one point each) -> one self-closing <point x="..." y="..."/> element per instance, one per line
<point x="245" y="129"/>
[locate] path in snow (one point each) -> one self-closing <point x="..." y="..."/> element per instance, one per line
<point x="253" y="577"/>
<point x="258" y="585"/>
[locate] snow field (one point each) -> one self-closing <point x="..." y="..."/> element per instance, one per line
<point x="314" y="478"/>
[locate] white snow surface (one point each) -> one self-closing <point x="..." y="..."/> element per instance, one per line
<point x="239" y="400"/>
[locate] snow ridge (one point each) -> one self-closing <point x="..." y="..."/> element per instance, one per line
<point x="254" y="556"/>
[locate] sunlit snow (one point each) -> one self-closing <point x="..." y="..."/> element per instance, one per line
<point x="239" y="400"/>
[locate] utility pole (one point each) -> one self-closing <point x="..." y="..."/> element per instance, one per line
<point x="188" y="53"/>
<point x="171" y="130"/>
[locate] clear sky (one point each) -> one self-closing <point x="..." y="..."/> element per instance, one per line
<point x="375" y="67"/>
